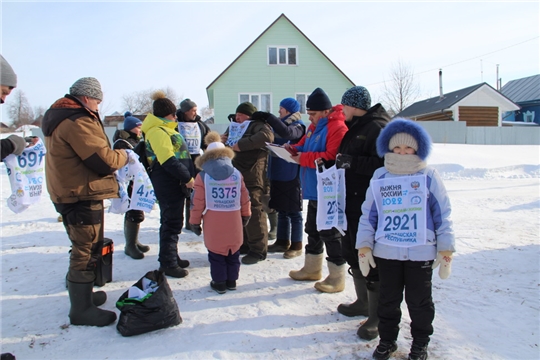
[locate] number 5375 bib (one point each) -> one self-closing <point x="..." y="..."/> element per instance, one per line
<point x="401" y="204"/>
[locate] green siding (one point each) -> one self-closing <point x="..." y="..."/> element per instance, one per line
<point x="251" y="74"/>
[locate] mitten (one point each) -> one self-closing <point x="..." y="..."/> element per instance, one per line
<point x="444" y="259"/>
<point x="231" y="117"/>
<point x="365" y="258"/>
<point x="19" y="144"/>
<point x="245" y="220"/>
<point x="343" y="161"/>
<point x="135" y="216"/>
<point x="196" y="228"/>
<point x="260" y="115"/>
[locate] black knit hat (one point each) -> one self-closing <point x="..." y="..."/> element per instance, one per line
<point x="162" y="106"/>
<point x="246" y="108"/>
<point x="318" y="100"/>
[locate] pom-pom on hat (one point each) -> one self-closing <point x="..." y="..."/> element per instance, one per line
<point x="246" y="108"/>
<point x="402" y="131"/>
<point x="318" y="100"/>
<point x="7" y="75"/>
<point x="357" y="97"/>
<point x="187" y="105"/>
<point x="87" y="86"/>
<point x="290" y="104"/>
<point x="130" y="121"/>
<point x="162" y="106"/>
<point x="213" y="141"/>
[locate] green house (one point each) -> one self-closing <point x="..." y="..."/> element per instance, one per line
<point x="282" y="62"/>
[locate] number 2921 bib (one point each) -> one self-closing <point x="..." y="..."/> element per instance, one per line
<point x="401" y="204"/>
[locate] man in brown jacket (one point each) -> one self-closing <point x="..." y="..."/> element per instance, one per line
<point x="251" y="160"/>
<point x="79" y="167"/>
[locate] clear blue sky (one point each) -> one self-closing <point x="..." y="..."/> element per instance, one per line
<point x="133" y="46"/>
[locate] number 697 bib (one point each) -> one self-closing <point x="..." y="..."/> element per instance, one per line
<point x="401" y="204"/>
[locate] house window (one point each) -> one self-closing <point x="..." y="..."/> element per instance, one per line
<point x="282" y="55"/>
<point x="302" y="98"/>
<point x="261" y="101"/>
<point x="528" y="116"/>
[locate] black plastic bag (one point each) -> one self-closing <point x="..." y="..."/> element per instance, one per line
<point x="158" y="311"/>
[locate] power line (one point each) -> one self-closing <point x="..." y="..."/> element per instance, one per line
<point x="462" y="61"/>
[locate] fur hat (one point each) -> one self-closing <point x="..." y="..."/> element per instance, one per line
<point x="402" y="131"/>
<point x="214" y="149"/>
<point x="130" y="121"/>
<point x="162" y="106"/>
<point x="87" y="86"/>
<point x="246" y="108"/>
<point x="7" y="75"/>
<point x="318" y="100"/>
<point x="187" y="105"/>
<point x="357" y="97"/>
<point x="290" y="104"/>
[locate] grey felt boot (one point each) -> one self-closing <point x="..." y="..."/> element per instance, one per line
<point x="131" y="233"/>
<point x="370" y="329"/>
<point x="312" y="269"/>
<point x="360" y="306"/>
<point x="83" y="311"/>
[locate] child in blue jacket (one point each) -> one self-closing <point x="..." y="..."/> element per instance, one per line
<point x="405" y="231"/>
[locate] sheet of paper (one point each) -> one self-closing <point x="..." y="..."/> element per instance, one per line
<point x="281" y="152"/>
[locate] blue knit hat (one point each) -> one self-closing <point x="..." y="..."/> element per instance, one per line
<point x="318" y="101"/>
<point x="399" y="127"/>
<point x="290" y="104"/>
<point x="357" y="97"/>
<point x="131" y="121"/>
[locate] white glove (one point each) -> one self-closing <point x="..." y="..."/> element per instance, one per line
<point x="365" y="258"/>
<point x="444" y="259"/>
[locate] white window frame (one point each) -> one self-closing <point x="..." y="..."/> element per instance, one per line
<point x="257" y="103"/>
<point x="302" y="103"/>
<point x="278" y="48"/>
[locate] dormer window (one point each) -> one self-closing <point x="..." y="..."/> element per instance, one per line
<point x="282" y="55"/>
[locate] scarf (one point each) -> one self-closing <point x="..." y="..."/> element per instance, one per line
<point x="403" y="164"/>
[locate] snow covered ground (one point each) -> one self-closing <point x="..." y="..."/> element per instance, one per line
<point x="488" y="309"/>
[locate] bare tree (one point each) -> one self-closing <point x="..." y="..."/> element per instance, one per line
<point x="19" y="110"/>
<point x="401" y="90"/>
<point x="140" y="102"/>
<point x="206" y="112"/>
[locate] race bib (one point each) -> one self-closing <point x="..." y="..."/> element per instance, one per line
<point x="142" y="196"/>
<point x="401" y="204"/>
<point x="192" y="134"/>
<point x="26" y="177"/>
<point x="223" y="195"/>
<point x="236" y="131"/>
<point x="331" y="200"/>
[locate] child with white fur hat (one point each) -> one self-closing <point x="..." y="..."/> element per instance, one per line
<point x="405" y="231"/>
<point x="220" y="200"/>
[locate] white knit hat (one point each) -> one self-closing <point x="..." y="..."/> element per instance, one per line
<point x="402" y="139"/>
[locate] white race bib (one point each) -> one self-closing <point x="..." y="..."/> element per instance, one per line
<point x="26" y="177"/>
<point x="331" y="200"/>
<point x="192" y="134"/>
<point x="236" y="131"/>
<point x="401" y="204"/>
<point x="142" y="196"/>
<point x="223" y="195"/>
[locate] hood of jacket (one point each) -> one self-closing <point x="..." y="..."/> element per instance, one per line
<point x="151" y="122"/>
<point x="216" y="163"/>
<point x="68" y="107"/>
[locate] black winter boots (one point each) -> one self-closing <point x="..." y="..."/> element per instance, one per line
<point x="279" y="246"/>
<point x="418" y="351"/>
<point x="384" y="350"/>
<point x="131" y="233"/>
<point x="369" y="330"/>
<point x="83" y="311"/>
<point x="360" y="306"/>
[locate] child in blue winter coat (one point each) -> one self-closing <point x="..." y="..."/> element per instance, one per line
<point x="405" y="231"/>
